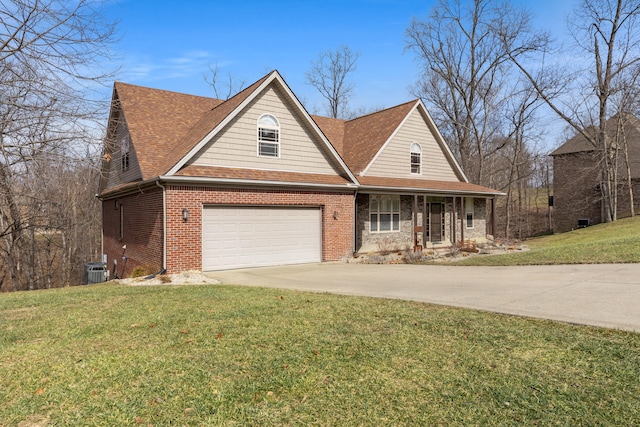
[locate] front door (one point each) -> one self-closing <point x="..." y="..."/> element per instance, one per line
<point x="435" y="222"/>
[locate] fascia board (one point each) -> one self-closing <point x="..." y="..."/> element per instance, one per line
<point x="388" y="141"/>
<point x="442" y="143"/>
<point x="220" y="126"/>
<point x="411" y="190"/>
<point x="249" y="182"/>
<point x="315" y="127"/>
<point x="274" y="76"/>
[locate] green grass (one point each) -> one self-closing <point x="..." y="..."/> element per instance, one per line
<point x="616" y="242"/>
<point x="111" y="355"/>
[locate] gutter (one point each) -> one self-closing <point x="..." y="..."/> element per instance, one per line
<point x="428" y="190"/>
<point x="164" y="224"/>
<point x="260" y="183"/>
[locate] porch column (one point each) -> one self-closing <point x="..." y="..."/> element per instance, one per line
<point x="415" y="211"/>
<point x="415" y="223"/>
<point x="453" y="220"/>
<point x="424" y="222"/>
<point x="493" y="217"/>
<point x="462" y="219"/>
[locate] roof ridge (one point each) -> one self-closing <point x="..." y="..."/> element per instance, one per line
<point x="383" y="110"/>
<point x="260" y="80"/>
<point x="118" y="83"/>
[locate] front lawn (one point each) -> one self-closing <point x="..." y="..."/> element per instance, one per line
<point x="616" y="242"/>
<point x="112" y="355"/>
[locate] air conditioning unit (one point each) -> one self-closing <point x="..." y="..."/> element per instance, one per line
<point x="584" y="222"/>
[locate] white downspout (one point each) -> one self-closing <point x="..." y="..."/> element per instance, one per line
<point x="164" y="224"/>
<point x="355" y="222"/>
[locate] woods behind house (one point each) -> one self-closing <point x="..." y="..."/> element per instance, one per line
<point x="489" y="78"/>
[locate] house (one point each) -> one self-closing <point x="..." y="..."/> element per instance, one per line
<point x="194" y="183"/>
<point x="577" y="176"/>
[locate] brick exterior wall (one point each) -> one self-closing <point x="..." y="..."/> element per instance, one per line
<point x="184" y="238"/>
<point x="143" y="228"/>
<point x="575" y="190"/>
<point x="141" y="232"/>
<point x="624" y="205"/>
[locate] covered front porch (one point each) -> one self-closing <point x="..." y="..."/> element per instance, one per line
<point x="392" y="222"/>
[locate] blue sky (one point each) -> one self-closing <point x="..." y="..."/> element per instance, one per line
<point x="170" y="44"/>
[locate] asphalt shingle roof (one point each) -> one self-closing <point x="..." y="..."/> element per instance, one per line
<point x="165" y="126"/>
<point x="579" y="143"/>
<point x="159" y="122"/>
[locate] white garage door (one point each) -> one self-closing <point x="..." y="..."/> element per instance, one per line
<point x="236" y="237"/>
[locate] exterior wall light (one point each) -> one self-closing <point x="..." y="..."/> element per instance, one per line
<point x="335" y="214"/>
<point x="185" y="214"/>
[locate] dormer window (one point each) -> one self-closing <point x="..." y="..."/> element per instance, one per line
<point x="124" y="153"/>
<point x="416" y="158"/>
<point x="268" y="136"/>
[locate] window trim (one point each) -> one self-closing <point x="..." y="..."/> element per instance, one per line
<point x="262" y="142"/>
<point x="411" y="162"/>
<point x="469" y="211"/>
<point x="394" y="215"/>
<point x="121" y="222"/>
<point x="125" y="161"/>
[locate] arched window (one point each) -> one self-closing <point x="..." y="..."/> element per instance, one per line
<point x="268" y="136"/>
<point x="416" y="158"/>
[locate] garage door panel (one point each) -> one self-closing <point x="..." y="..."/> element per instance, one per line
<point x="236" y="237"/>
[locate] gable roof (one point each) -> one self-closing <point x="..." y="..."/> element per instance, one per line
<point x="227" y="111"/>
<point x="168" y="129"/>
<point x="158" y="122"/>
<point x="208" y="124"/>
<point x="368" y="134"/>
<point x="579" y="144"/>
<point x="360" y="140"/>
<point x="576" y="144"/>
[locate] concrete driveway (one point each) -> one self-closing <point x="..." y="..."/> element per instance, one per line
<point x="601" y="295"/>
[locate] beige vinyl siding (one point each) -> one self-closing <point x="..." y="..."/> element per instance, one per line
<point x="116" y="176"/>
<point x="395" y="159"/>
<point x="236" y="145"/>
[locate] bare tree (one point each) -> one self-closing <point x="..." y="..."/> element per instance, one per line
<point x="518" y="157"/>
<point x="230" y="87"/>
<point x="51" y="60"/>
<point x="329" y="74"/>
<point x="608" y="32"/>
<point x="466" y="71"/>
<point x="627" y="106"/>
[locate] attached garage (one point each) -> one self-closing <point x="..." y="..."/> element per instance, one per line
<point x="258" y="236"/>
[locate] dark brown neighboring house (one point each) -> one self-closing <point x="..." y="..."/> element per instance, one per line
<point x="577" y="176"/>
<point x="193" y="183"/>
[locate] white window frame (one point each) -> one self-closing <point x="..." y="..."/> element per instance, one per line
<point x="274" y="143"/>
<point x="384" y="205"/>
<point x="124" y="154"/>
<point x="413" y="150"/>
<point x="468" y="209"/>
<point x="121" y="221"/>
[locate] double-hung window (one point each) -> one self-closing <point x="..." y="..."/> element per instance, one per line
<point x="384" y="213"/>
<point x="468" y="207"/>
<point x="124" y="154"/>
<point x="268" y="136"/>
<point x="416" y="158"/>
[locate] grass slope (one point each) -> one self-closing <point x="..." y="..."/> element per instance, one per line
<point x="616" y="242"/>
<point x="215" y="355"/>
